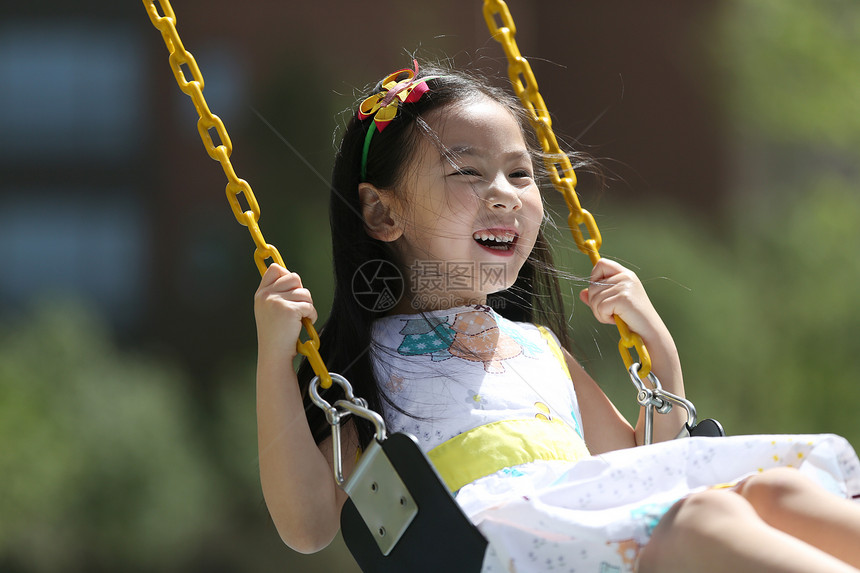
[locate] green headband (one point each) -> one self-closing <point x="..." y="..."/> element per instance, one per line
<point x="364" y="151"/>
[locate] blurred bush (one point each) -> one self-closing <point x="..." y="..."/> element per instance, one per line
<point x="107" y="463"/>
<point x="99" y="464"/>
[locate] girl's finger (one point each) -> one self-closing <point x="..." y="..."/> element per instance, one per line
<point x="605" y="269"/>
<point x="272" y="274"/>
<point x="305" y="310"/>
<point x="301" y="295"/>
<point x="287" y="282"/>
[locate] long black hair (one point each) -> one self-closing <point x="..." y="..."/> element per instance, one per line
<point x="345" y="338"/>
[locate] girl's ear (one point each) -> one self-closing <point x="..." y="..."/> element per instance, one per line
<point x="380" y="220"/>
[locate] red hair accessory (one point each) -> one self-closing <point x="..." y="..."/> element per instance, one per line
<point x="383" y="106"/>
<point x="396" y="88"/>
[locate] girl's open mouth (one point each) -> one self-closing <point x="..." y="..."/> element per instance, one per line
<point x="497" y="241"/>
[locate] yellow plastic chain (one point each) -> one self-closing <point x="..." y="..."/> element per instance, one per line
<point x="557" y="163"/>
<point x="179" y="57"/>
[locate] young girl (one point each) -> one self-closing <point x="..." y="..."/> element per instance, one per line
<point x="435" y="182"/>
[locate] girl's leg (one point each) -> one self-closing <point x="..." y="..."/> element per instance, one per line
<point x="789" y="501"/>
<point x="719" y="531"/>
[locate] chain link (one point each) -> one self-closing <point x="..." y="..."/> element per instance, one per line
<point x="193" y="88"/>
<point x="557" y="163"/>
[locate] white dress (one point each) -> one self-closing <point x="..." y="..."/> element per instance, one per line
<point x="492" y="404"/>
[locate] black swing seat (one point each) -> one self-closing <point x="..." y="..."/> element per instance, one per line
<point x="707" y="428"/>
<point x="439" y="536"/>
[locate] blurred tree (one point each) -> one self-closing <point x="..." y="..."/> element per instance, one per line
<point x="99" y="468"/>
<point x="792" y="76"/>
<point x="760" y="298"/>
<point x="793" y="69"/>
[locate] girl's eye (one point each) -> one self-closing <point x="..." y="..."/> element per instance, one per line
<point x="520" y="174"/>
<point x="467" y="171"/>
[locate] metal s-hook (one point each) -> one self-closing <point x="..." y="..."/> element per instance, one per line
<point x="350" y="404"/>
<point x="655" y="398"/>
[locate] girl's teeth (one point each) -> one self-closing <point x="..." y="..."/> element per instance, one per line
<point x="488" y="237"/>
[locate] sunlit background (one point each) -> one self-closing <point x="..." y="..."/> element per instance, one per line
<point x="728" y="132"/>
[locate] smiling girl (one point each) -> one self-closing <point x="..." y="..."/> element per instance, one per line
<point x="435" y="177"/>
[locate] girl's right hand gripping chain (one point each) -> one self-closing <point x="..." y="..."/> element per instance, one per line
<point x="280" y="304"/>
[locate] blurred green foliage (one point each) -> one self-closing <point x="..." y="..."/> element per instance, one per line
<point x="792" y="68"/>
<point x="107" y="465"/>
<point x="99" y="462"/>
<point x="109" y="462"/>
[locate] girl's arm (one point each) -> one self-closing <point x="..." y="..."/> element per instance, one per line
<point x="296" y="476"/>
<point x="616" y="291"/>
<point x="604" y="428"/>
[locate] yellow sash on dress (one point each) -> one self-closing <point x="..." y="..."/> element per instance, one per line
<point x="489" y="448"/>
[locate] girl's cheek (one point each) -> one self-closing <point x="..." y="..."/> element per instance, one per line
<point x="463" y="197"/>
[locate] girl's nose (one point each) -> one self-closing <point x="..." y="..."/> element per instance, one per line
<point x="502" y="195"/>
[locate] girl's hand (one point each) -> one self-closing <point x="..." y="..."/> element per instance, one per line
<point x="616" y="291"/>
<point x="280" y="304"/>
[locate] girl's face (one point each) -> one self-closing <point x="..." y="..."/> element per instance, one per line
<point x="472" y="210"/>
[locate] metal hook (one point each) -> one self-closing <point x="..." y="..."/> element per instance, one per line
<point x="661" y="400"/>
<point x="342" y="408"/>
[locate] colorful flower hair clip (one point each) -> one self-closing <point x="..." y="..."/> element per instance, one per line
<point x="399" y="87"/>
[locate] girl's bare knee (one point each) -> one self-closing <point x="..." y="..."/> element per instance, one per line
<point x="700" y="514"/>
<point x="692" y="528"/>
<point x="770" y="491"/>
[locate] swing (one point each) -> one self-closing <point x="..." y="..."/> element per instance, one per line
<point x="397" y="500"/>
